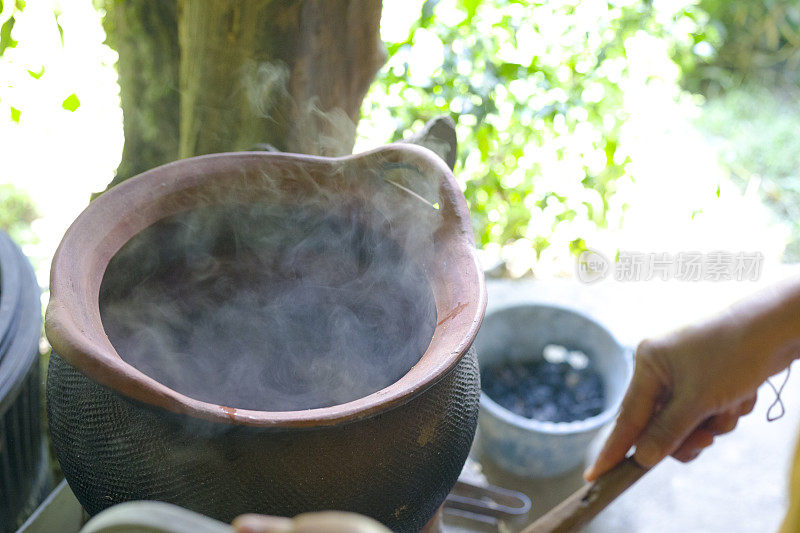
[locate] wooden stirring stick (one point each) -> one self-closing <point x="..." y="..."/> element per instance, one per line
<point x="587" y="502"/>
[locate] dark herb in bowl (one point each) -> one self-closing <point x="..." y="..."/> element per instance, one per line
<point x="545" y="390"/>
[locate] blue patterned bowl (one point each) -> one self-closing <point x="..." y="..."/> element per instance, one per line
<point x="519" y="332"/>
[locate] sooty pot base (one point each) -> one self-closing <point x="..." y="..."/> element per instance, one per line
<point x="113" y="449"/>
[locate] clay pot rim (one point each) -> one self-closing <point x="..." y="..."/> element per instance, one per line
<point x="74" y="329"/>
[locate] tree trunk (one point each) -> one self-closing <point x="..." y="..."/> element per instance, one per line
<point x="252" y="73"/>
<point x="145" y="35"/>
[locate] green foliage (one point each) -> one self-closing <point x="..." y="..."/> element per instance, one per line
<point x="536" y="91"/>
<point x="17" y="212"/>
<point x="7" y="20"/>
<point x="37" y="75"/>
<point x="5" y="35"/>
<point x="755" y="129"/>
<point x="753" y="40"/>
<point x="71" y="102"/>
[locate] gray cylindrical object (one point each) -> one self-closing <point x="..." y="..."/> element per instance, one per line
<point x="24" y="474"/>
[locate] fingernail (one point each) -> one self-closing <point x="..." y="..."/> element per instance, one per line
<point x="587" y="474"/>
<point x="647" y="454"/>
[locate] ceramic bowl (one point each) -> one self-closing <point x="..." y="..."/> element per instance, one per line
<point x="519" y="332"/>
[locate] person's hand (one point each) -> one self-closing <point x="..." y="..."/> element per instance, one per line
<point x="693" y="385"/>
<point x="321" y="522"/>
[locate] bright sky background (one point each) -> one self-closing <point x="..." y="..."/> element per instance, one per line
<point x="61" y="157"/>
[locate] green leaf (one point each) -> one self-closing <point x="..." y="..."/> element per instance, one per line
<point x="471" y="6"/>
<point x="577" y="246"/>
<point x="509" y="70"/>
<point x="36" y="75"/>
<point x="71" y="103"/>
<point x="15" y="114"/>
<point x="5" y="36"/>
<point x="483" y="144"/>
<point x="60" y="28"/>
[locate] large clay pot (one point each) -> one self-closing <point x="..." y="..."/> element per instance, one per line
<point x="393" y="454"/>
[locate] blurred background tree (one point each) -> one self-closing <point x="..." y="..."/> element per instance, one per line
<point x="566" y="111"/>
<point x="750" y="75"/>
<point x="17" y="210"/>
<point x="538" y="90"/>
<point x="17" y="213"/>
<point x="751" y="42"/>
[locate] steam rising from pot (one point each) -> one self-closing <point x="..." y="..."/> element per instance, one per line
<point x="278" y="297"/>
